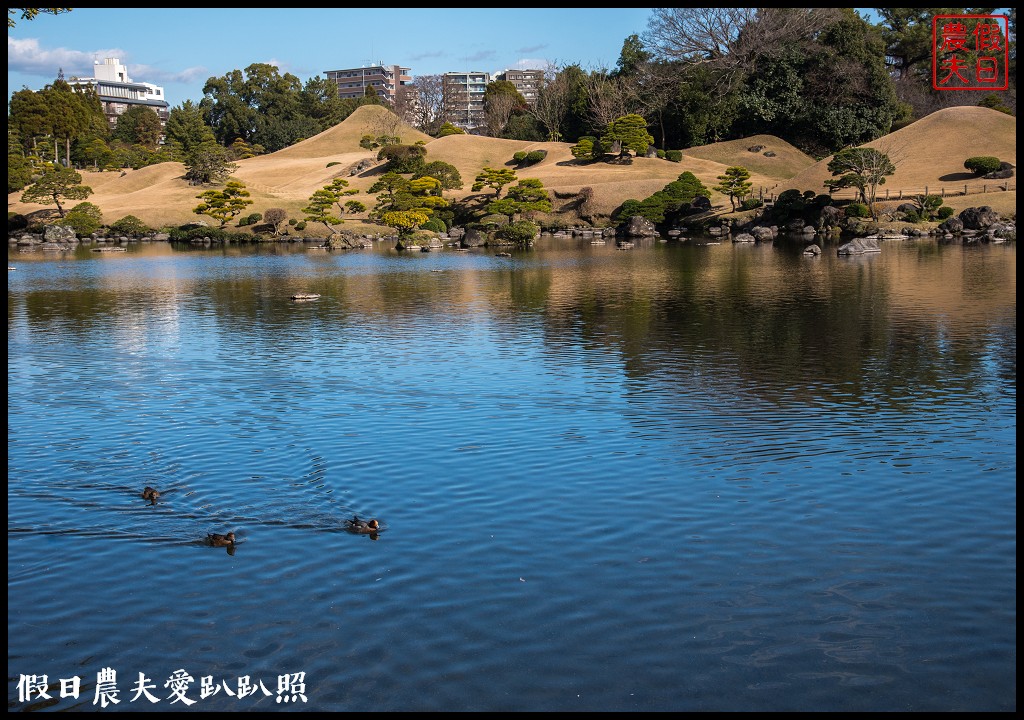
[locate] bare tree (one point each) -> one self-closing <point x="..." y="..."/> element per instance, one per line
<point x="613" y="97"/>
<point x="429" y="114"/>
<point x="552" y="102"/>
<point x="499" y="108"/>
<point x="730" y="39"/>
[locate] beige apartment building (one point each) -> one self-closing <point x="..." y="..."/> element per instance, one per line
<point x="386" y="80"/>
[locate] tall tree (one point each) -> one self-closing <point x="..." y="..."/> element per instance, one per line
<point x="187" y="127"/>
<point x="138" y="125"/>
<point x="735" y="183"/>
<point x="863" y="168"/>
<point x="501" y="101"/>
<point x="56" y="185"/>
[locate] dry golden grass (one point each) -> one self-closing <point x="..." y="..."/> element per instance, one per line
<point x="931" y="152"/>
<point x="932" y="148"/>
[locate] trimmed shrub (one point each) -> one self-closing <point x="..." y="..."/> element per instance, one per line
<point x="521" y="232"/>
<point x="751" y="204"/>
<point x="982" y="164"/>
<point x="403" y="158"/>
<point x="301" y="225"/>
<point x="660" y="153"/>
<point x="129" y="225"/>
<point x="535" y="156"/>
<point x="674" y="155"/>
<point x="858" y="210"/>
<point x="84" y="218"/>
<point x="292" y="221"/>
<point x="911" y="216"/>
<point x="519" y="156"/>
<point x="434" y="225"/>
<point x="945" y="211"/>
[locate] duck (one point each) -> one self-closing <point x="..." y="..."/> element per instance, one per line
<point x="221" y="540"/>
<point x="150" y="494"/>
<point x="363" y="527"/>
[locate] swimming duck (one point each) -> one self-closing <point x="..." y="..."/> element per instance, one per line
<point x="150" y="494"/>
<point x="363" y="527"/>
<point x="221" y="540"/>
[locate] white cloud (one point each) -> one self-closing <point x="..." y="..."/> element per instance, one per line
<point x="25" y="56"/>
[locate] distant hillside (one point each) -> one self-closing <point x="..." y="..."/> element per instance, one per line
<point x="933" y="148"/>
<point x="931" y="151"/>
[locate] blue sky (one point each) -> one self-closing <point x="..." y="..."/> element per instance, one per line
<point x="181" y="48"/>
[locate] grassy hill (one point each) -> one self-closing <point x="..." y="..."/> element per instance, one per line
<point x="931" y="152"/>
<point x="933" y="148"/>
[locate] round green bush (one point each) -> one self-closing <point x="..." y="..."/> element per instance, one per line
<point x="858" y="210"/>
<point x="674" y="155"/>
<point x="945" y="212"/>
<point x="83" y="218"/>
<point x="521" y="232"/>
<point x="129" y="225"/>
<point x="535" y="156"/>
<point x="519" y="156"/>
<point x="912" y="216"/>
<point x="982" y="164"/>
<point x="435" y="225"/>
<point x="301" y="225"/>
<point x="750" y="204"/>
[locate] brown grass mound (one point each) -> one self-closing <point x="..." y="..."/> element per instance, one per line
<point x="933" y="147"/>
<point x="931" y="152"/>
<point x="785" y="163"/>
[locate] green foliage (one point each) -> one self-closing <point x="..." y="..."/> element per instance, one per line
<point x="521" y="232"/>
<point x="994" y="102"/>
<point x="982" y="164"/>
<point x="912" y="216"/>
<point x="519" y="156"/>
<point x="524" y="158"/>
<point x="672" y="199"/>
<point x="734" y="183"/>
<point x="354" y="207"/>
<point x="263" y="107"/>
<point x="944" y="212"/>
<point x="751" y="204"/>
<point x="19" y="172"/>
<point x="661" y="154"/>
<point x="863" y="168"/>
<point x="403" y="158"/>
<point x="319" y="208"/>
<point x="84" y="218"/>
<point x="129" y="225"/>
<point x="138" y="125"/>
<point x="496" y="178"/>
<point x="435" y="225"/>
<point x="631" y="132"/>
<point x="857" y="210"/>
<point x="587" y="148"/>
<point x="300" y="225"/>
<point x="250" y="219"/>
<point x="292" y="221"/>
<point x="208" y="164"/>
<point x="186" y="127"/>
<point x="674" y="155"/>
<point x="928" y="205"/>
<point x="54" y="186"/>
<point x="448" y="175"/>
<point x="32" y="13"/>
<point x="332" y="164"/>
<point x="223" y="205"/>
<point x="404" y="221"/>
<point x="448" y="129"/>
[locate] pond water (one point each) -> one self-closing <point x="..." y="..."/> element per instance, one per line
<point x="677" y="477"/>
